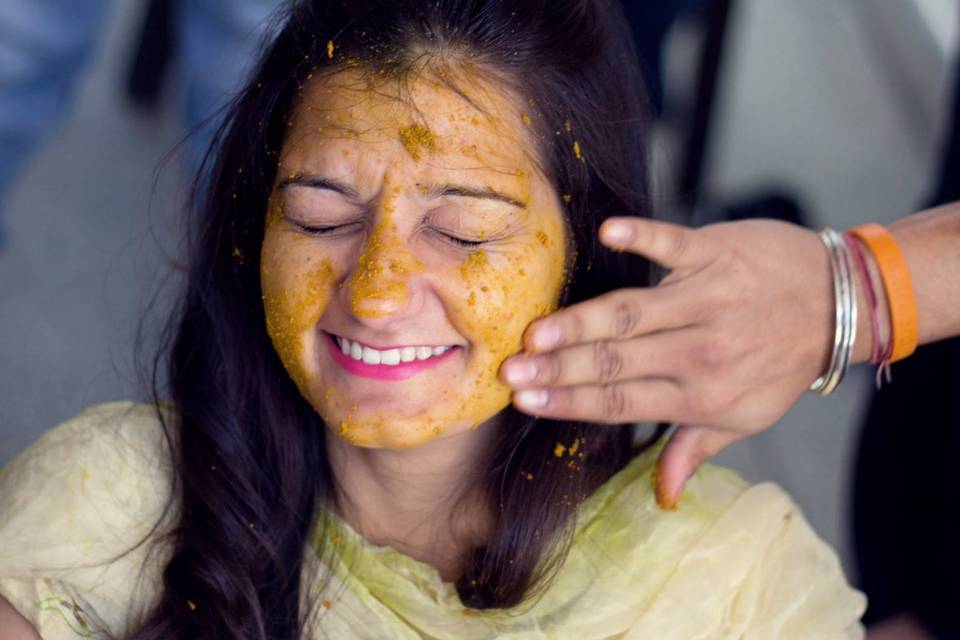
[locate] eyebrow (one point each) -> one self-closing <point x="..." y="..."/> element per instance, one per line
<point x="472" y="192"/>
<point x="464" y="191"/>
<point x="319" y="182"/>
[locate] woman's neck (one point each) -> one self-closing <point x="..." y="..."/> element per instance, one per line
<point x="426" y="502"/>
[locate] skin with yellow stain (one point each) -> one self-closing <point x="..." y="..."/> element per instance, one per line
<point x="416" y="137"/>
<point x="384" y="173"/>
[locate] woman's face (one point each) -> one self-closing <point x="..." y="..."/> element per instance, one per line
<point x="414" y="231"/>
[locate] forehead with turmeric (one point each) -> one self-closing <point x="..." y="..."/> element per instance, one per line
<point x="354" y="104"/>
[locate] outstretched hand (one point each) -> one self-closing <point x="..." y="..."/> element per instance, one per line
<point x="723" y="346"/>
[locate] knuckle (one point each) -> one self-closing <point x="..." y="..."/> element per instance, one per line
<point x="677" y="243"/>
<point x="549" y="369"/>
<point x="613" y="402"/>
<point x="574" y="327"/>
<point x="559" y="400"/>
<point x="703" y="313"/>
<point x="708" y="356"/>
<point x="625" y="319"/>
<point x="607" y="361"/>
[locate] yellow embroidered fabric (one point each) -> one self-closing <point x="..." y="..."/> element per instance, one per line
<point x="734" y="561"/>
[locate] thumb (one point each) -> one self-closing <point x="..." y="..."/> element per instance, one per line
<point x="687" y="449"/>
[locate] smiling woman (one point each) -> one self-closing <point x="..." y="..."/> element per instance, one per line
<point x="399" y="192"/>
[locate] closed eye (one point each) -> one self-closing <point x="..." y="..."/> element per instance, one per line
<point x="317" y="230"/>
<point x="462" y="242"/>
<point x="320" y="230"/>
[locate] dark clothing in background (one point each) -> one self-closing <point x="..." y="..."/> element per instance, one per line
<point x="906" y="506"/>
<point x="651" y="21"/>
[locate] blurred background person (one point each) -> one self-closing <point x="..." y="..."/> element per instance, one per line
<point x="46" y="48"/>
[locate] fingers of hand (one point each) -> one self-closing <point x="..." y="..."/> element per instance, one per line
<point x="688" y="448"/>
<point x="644" y="400"/>
<point x="602" y="361"/>
<point x="671" y="245"/>
<point x="619" y="314"/>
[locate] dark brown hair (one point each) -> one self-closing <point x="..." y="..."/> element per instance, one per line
<point x="249" y="456"/>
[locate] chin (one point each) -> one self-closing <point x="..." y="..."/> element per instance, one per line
<point x="379" y="433"/>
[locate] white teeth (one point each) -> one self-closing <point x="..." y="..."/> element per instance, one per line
<point x="371" y="356"/>
<point x="388" y="357"/>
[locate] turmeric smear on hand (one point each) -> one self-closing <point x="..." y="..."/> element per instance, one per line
<point x="660" y="492"/>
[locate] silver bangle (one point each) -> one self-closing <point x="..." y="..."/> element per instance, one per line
<point x="845" y="300"/>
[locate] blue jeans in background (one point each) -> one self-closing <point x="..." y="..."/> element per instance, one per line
<point x="45" y="45"/>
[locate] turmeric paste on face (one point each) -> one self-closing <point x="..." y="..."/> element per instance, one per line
<point x="379" y="281"/>
<point x="394" y="269"/>
<point x="416" y="139"/>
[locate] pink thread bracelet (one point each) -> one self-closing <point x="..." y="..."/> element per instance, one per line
<point x="879" y="353"/>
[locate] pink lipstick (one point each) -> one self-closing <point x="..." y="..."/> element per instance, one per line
<point x="400" y="371"/>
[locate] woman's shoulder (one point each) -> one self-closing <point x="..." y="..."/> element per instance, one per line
<point x="74" y="507"/>
<point x="741" y="555"/>
<point x="109" y="464"/>
<point x="104" y="423"/>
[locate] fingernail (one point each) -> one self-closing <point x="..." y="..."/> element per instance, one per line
<point x="617" y="231"/>
<point x="521" y="372"/>
<point x="546" y="336"/>
<point x="531" y="398"/>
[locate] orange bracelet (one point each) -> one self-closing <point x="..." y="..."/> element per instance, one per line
<point x="896" y="280"/>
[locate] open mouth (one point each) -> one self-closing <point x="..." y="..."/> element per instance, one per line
<point x="395" y="363"/>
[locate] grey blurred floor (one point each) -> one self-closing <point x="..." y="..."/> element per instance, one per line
<point x="806" y="103"/>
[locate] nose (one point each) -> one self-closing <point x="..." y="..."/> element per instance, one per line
<point x="381" y="284"/>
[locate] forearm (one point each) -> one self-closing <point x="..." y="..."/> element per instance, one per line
<point x="930" y="243"/>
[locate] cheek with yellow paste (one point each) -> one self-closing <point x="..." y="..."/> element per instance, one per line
<point x="500" y="298"/>
<point x="297" y="286"/>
